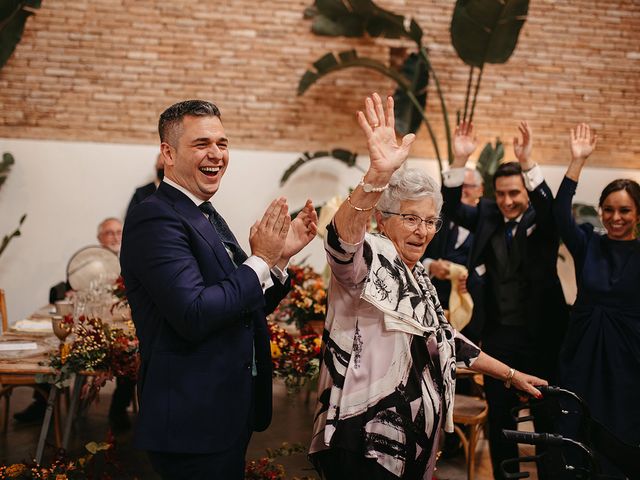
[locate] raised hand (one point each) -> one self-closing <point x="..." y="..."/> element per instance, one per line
<point x="385" y="154"/>
<point x="464" y="143"/>
<point x="267" y="236"/>
<point x="301" y="231"/>
<point x="522" y="149"/>
<point x="583" y="142"/>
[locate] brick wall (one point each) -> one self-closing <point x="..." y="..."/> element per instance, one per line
<point x="102" y="70"/>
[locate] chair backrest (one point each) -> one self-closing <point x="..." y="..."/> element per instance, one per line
<point x="3" y="312"/>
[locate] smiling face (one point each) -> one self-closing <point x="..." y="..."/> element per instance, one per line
<point x="110" y="234"/>
<point x="620" y="215"/>
<point x="410" y="243"/>
<point x="199" y="155"/>
<point x="511" y="196"/>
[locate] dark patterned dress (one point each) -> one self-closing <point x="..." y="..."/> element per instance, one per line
<point x="387" y="378"/>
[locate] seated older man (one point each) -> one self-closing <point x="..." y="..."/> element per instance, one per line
<point x="110" y="237"/>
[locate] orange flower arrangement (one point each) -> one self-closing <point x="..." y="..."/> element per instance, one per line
<point x="295" y="359"/>
<point x="307" y="300"/>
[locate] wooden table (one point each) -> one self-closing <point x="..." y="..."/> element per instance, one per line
<point x="23" y="370"/>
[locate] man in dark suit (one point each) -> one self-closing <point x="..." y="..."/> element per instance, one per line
<point x="146" y="190"/>
<point x="514" y="254"/>
<point x="199" y="305"/>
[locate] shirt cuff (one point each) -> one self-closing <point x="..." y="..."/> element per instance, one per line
<point x="533" y="178"/>
<point x="261" y="268"/>
<point x="454" y="177"/>
<point x="280" y="274"/>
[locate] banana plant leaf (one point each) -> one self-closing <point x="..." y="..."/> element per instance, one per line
<point x="329" y="63"/>
<point x="5" y="166"/>
<point x="355" y="18"/>
<point x="407" y="115"/>
<point x="488" y="163"/>
<point x="16" y="233"/>
<point x="13" y="17"/>
<point x="345" y="156"/>
<point x="486" y="31"/>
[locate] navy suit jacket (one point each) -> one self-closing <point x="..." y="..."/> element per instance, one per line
<point x="538" y="242"/>
<point x="197" y="316"/>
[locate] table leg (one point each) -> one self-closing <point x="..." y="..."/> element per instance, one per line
<point x="46" y="423"/>
<point x="71" y="414"/>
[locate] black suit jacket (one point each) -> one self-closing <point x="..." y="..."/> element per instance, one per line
<point x="140" y="194"/>
<point x="439" y="247"/>
<point x="538" y="241"/>
<point x="196" y="316"/>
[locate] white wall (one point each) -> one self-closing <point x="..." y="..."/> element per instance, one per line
<point x="66" y="188"/>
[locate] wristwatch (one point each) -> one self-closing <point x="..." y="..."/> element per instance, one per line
<point x="368" y="188"/>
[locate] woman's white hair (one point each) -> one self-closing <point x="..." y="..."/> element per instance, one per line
<point x="409" y="184"/>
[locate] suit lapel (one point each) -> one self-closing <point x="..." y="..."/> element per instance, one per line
<point x="188" y="210"/>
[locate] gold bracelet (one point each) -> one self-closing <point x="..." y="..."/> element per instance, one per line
<point x="359" y="209"/>
<point x="507" y="382"/>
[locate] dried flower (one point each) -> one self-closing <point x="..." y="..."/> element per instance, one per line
<point x="307" y="300"/>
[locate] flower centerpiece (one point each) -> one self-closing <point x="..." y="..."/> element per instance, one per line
<point x="95" y="348"/>
<point x="306" y="303"/>
<point x="295" y="359"/>
<point x="120" y="293"/>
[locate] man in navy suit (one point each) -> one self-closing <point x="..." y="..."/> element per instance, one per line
<point x="199" y="305"/>
<point x="514" y="256"/>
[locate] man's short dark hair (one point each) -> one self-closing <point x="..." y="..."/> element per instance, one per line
<point x="171" y="119"/>
<point x="508" y="169"/>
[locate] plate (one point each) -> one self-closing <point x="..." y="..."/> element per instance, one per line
<point x="41" y="348"/>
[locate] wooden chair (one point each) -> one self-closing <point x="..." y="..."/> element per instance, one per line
<point x="471" y="412"/>
<point x="3" y="312"/>
<point x="9" y="382"/>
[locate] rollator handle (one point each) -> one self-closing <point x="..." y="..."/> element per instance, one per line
<point x="533" y="438"/>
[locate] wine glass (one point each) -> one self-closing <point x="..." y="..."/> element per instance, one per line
<point x="62" y="327"/>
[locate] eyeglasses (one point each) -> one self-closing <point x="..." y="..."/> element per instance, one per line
<point x="412" y="222"/>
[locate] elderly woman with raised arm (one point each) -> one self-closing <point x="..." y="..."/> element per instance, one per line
<point x="387" y="379"/>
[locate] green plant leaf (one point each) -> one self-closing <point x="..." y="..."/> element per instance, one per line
<point x="486" y="31"/>
<point x="585" y="213"/>
<point x="407" y="115"/>
<point x="328" y="63"/>
<point x="487" y="164"/>
<point x="345" y="156"/>
<point x="13" y="17"/>
<point x="355" y="18"/>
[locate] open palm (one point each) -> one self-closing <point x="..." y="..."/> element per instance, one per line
<point x="464" y="143"/>
<point x="583" y="141"/>
<point x="385" y="154"/>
